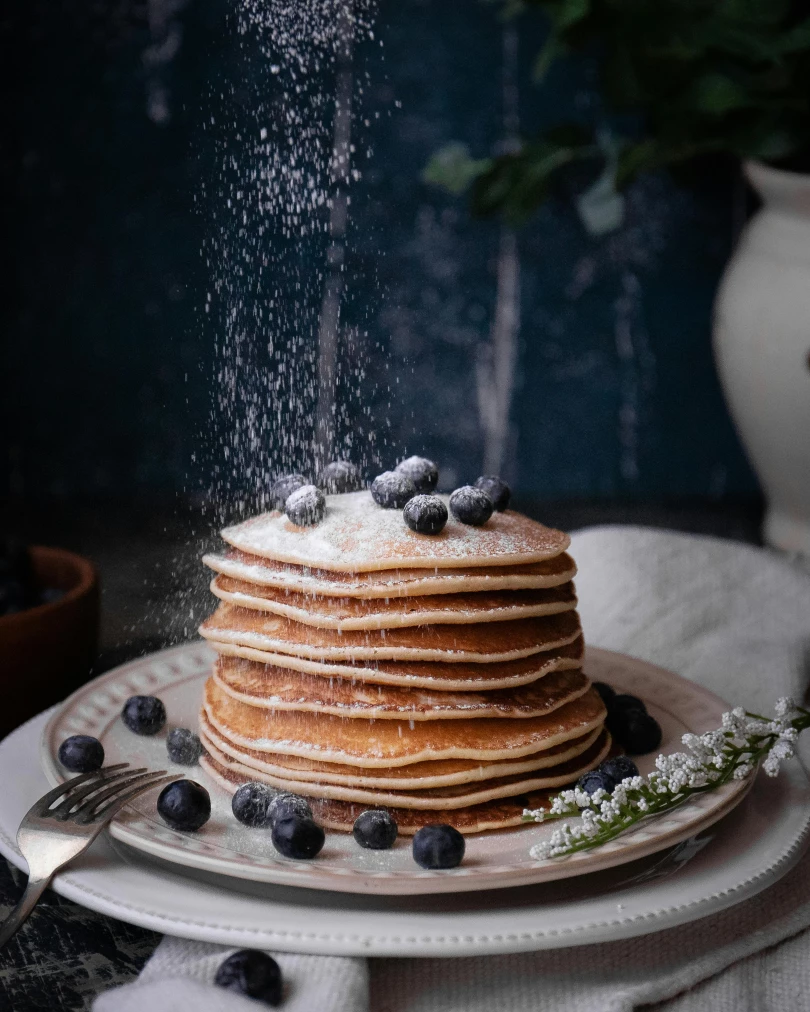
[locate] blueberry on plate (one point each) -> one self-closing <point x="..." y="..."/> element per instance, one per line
<point x="184" y="746"/>
<point x="438" y="846"/>
<point x="624" y="701"/>
<point x="606" y="692"/>
<point x="375" y="829"/>
<point x="591" y="782"/>
<point x="81" y="753"/>
<point x="283" y="487"/>
<point x="635" y="731"/>
<point x="253" y="974"/>
<point x="298" y="837"/>
<point x="497" y="490"/>
<point x="340" y="476"/>
<point x="425" y="514"/>
<point x="422" y="472"/>
<point x="251" y="804"/>
<point x="184" y="805"/>
<point x="392" y="490"/>
<point x="144" y="714"/>
<point x="470" y="505"/>
<point x="306" y="506"/>
<point x="620" y="767"/>
<point x="286" y="804"/>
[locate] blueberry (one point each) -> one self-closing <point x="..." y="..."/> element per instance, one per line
<point x="591" y="782"/>
<point x="470" y="505"/>
<point x="306" y="506"/>
<point x="253" y="974"/>
<point x="438" y="846"/>
<point x="340" y="476"/>
<point x="283" y="487"/>
<point x="298" y="837"/>
<point x="425" y="514"/>
<point x="144" y="714"/>
<point x="606" y="692"/>
<point x="624" y="701"/>
<point x="284" y="805"/>
<point x="185" y="805"/>
<point x="497" y="490"/>
<point x="422" y="472"/>
<point x="392" y="490"/>
<point x="251" y="804"/>
<point x="636" y="731"/>
<point x="620" y="767"/>
<point x="375" y="829"/>
<point x="184" y="746"/>
<point x="81" y="753"/>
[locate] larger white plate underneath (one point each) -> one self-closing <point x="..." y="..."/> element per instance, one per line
<point x="741" y="855"/>
<point x="492" y="860"/>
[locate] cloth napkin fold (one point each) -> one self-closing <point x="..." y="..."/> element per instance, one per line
<point x="733" y="618"/>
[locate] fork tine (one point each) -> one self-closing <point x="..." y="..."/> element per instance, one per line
<point x="41" y="806"/>
<point x="87" y="812"/>
<point x="74" y="797"/>
<point x="117" y="803"/>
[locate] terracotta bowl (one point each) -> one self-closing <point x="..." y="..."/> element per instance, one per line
<point x="46" y="652"/>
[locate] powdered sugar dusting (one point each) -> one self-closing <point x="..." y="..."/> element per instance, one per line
<point x="356" y="535"/>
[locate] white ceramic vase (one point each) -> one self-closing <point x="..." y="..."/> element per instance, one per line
<point x="762" y="348"/>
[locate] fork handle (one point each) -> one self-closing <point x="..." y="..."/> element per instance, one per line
<point x="33" y="890"/>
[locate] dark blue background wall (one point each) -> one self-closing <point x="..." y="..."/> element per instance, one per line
<point x="111" y="378"/>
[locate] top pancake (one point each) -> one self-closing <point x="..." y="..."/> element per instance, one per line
<point x="392" y="583"/>
<point x="357" y="536"/>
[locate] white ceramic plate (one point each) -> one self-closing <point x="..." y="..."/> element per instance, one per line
<point x="747" y="851"/>
<point x="492" y="860"/>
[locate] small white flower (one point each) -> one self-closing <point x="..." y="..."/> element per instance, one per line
<point x="784" y="706"/>
<point x="732" y="750"/>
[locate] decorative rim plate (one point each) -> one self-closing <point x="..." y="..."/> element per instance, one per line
<point x="749" y="850"/>
<point x="493" y="860"/>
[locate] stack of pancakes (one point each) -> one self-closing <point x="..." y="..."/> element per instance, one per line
<point x="367" y="666"/>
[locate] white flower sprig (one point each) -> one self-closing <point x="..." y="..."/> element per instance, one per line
<point x="732" y="752"/>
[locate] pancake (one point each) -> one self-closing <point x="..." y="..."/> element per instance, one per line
<point x="416" y="776"/>
<point x="348" y="614"/>
<point x="382" y="743"/>
<point x="390" y="583"/>
<point x="357" y="536"/>
<point x="435" y="773"/>
<point x="485" y="643"/>
<point x="442" y="798"/>
<point x="506" y="813"/>
<point x="460" y="677"/>
<point x="274" y="688"/>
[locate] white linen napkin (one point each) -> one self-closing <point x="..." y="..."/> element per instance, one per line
<point x="735" y="619"/>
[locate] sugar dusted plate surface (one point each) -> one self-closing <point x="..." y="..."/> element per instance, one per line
<point x="493" y="860"/>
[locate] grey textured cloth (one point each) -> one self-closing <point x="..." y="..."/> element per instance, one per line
<point x="733" y="618"/>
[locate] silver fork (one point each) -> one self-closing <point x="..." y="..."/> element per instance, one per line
<point x="51" y="835"/>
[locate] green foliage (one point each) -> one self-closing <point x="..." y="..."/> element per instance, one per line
<point x="452" y="168"/>
<point x="515" y="184"/>
<point x="699" y="77"/>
